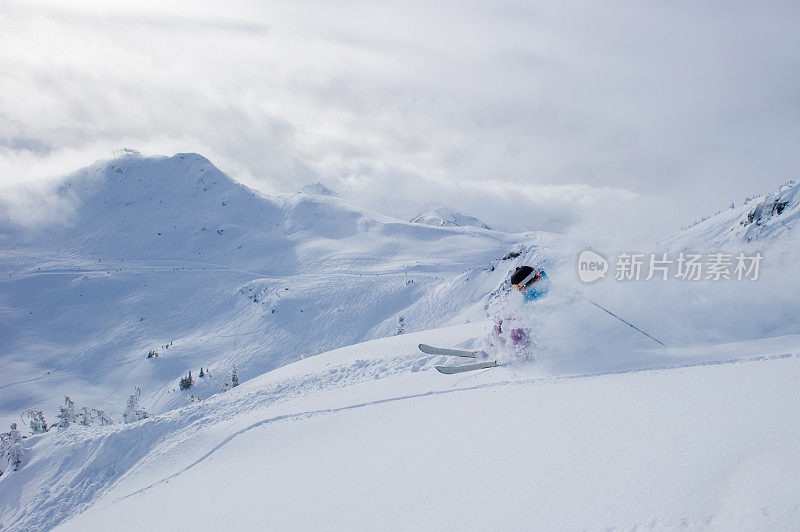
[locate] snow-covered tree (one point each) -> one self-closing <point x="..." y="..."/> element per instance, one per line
<point x="401" y="326"/>
<point x="66" y="414"/>
<point x="10" y="450"/>
<point x="234" y="377"/>
<point x="84" y="417"/>
<point x="102" y="417"/>
<point x="36" y="421"/>
<point x="133" y="411"/>
<point x="185" y="382"/>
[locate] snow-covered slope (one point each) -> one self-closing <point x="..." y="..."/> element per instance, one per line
<point x="171" y="255"/>
<point x="370" y="436"/>
<point x="759" y="222"/>
<point x="447" y="217"/>
<point x="341" y="422"/>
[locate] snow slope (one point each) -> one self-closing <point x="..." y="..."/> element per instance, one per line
<point x="761" y="221"/>
<point x="169" y="254"/>
<point x="370" y="436"/>
<point x="340" y="423"/>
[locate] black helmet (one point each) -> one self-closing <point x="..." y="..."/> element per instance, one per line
<point x="523" y="276"/>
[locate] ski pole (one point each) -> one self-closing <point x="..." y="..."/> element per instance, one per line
<point x="623" y="321"/>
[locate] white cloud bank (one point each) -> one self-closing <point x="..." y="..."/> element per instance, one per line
<point x="525" y="114"/>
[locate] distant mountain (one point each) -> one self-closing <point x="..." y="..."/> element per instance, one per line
<point x="318" y="189"/>
<point x="447" y="217"/>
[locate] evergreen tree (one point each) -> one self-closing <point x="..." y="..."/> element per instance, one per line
<point x="102" y="417"/>
<point x="36" y="421"/>
<point x="186" y="382"/>
<point x="133" y="411"/>
<point x="10" y="451"/>
<point x="84" y="417"/>
<point x="66" y="413"/>
<point x="201" y="372"/>
<point x="234" y="377"/>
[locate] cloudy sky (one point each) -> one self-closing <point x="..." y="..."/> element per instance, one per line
<point x="525" y="113"/>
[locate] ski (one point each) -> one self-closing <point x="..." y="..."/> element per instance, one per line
<point x="450" y="370"/>
<point x="451" y="352"/>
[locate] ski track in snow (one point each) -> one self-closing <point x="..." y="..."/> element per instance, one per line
<point x="522" y="382"/>
<point x="359" y="371"/>
<point x="298" y="386"/>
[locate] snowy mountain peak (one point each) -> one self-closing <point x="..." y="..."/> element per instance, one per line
<point x="447" y="217"/>
<point x="318" y="189"/>
<point x="138" y="178"/>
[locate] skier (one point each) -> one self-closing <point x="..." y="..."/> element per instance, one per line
<point x="511" y="343"/>
<point x="533" y="284"/>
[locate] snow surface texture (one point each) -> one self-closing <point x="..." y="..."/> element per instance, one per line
<point x="447" y="217"/>
<point x="369" y="436"/>
<point x="605" y="429"/>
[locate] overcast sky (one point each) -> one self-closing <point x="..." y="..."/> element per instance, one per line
<point x="525" y="114"/>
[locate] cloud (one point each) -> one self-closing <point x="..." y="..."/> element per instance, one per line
<point x="527" y="114"/>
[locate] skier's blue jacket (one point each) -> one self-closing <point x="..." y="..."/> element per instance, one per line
<point x="539" y="289"/>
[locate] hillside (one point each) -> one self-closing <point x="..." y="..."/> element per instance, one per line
<point x="371" y="436"/>
<point x="759" y="222"/>
<point x="170" y="255"/>
<point x="339" y="420"/>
